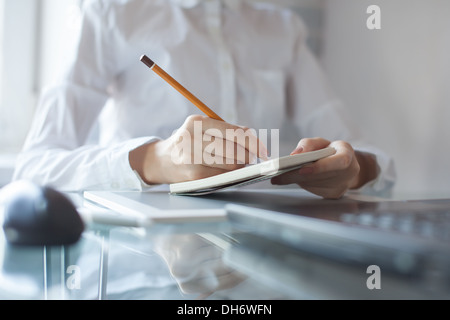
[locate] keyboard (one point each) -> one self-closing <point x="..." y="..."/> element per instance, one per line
<point x="409" y="242"/>
<point x="402" y="241"/>
<point x="428" y="224"/>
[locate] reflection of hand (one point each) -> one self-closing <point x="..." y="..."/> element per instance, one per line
<point x="196" y="264"/>
<point x="331" y="177"/>
<point x="200" y="148"/>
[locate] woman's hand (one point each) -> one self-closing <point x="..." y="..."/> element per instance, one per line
<point x="200" y="148"/>
<point x="333" y="176"/>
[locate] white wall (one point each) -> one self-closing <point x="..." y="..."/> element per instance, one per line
<point x="2" y="5"/>
<point x="59" y="22"/>
<point x="397" y="82"/>
<point x="32" y="35"/>
<point x="17" y="77"/>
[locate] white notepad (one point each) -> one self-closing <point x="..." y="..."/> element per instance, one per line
<point x="248" y="175"/>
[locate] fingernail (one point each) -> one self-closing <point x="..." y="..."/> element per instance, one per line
<point x="297" y="150"/>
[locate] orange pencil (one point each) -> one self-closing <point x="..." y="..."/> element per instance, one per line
<point x="153" y="66"/>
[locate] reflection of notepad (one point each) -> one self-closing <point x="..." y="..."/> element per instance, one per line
<point x="248" y="175"/>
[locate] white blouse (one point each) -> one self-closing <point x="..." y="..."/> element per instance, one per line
<point x="248" y="62"/>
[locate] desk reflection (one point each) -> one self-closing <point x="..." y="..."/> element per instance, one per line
<point x="196" y="264"/>
<point x="130" y="264"/>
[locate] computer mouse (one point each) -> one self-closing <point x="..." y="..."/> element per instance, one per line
<point x="38" y="215"/>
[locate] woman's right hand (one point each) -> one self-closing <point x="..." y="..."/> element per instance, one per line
<point x="200" y="148"/>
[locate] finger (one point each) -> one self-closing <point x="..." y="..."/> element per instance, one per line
<point x="226" y="151"/>
<point x="286" y="178"/>
<point x="295" y="176"/>
<point x="243" y="136"/>
<point x="262" y="151"/>
<point x="310" y="144"/>
<point x="313" y="180"/>
<point x="328" y="188"/>
<point x="247" y="139"/>
<point x="339" y="161"/>
<point x="210" y="153"/>
<point x="323" y="169"/>
<point x="204" y="148"/>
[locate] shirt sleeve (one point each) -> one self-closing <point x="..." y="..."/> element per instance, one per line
<point x="56" y="151"/>
<point x="317" y="112"/>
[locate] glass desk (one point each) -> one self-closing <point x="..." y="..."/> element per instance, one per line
<point x="211" y="261"/>
<point x="128" y="263"/>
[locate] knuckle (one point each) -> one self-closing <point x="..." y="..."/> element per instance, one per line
<point x="356" y="169"/>
<point x="306" y="141"/>
<point x="193" y="118"/>
<point x="346" y="160"/>
<point x="346" y="145"/>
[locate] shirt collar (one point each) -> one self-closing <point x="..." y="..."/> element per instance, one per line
<point x="234" y="4"/>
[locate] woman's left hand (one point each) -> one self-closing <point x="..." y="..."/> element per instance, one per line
<point x="333" y="176"/>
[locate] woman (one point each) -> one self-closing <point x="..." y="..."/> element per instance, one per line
<point x="248" y="62"/>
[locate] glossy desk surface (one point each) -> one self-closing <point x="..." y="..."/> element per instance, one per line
<point x="171" y="262"/>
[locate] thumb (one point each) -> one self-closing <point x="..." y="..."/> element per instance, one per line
<point x="310" y="144"/>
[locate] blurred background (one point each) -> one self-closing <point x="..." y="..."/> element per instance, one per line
<point x="395" y="81"/>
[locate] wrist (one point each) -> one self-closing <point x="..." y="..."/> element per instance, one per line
<point x="145" y="161"/>
<point x="368" y="171"/>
